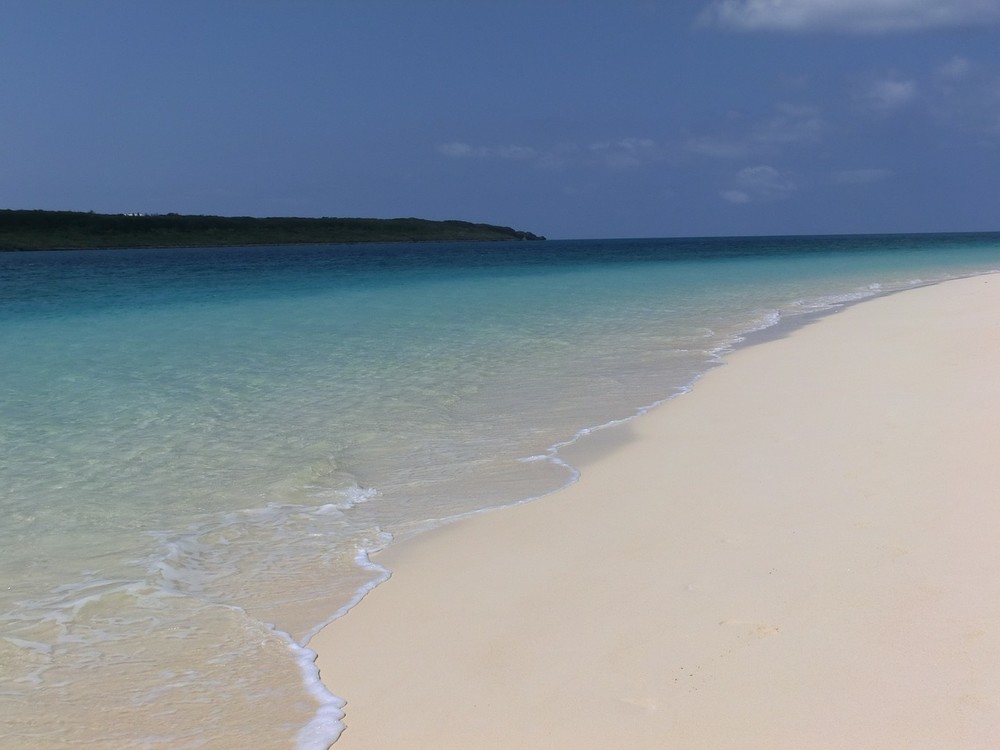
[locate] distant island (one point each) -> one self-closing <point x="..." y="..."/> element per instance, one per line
<point x="77" y="230"/>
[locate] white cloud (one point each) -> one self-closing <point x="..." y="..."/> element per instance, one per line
<point x="760" y="183"/>
<point x="964" y="97"/>
<point x="515" y="152"/>
<point x="888" y="94"/>
<point x="456" y="150"/>
<point x="791" y="124"/>
<point x="853" y="16"/>
<point x="619" y="154"/>
<point x="787" y="125"/>
<point x="861" y="176"/>
<point x="956" y="68"/>
<point x="625" y="153"/>
<point x="558" y="157"/>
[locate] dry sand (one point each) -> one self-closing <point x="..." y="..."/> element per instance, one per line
<point x="803" y="552"/>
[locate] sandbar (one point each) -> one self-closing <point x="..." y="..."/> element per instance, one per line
<point x="802" y="552"/>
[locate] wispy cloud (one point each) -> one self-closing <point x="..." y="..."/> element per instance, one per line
<point x="760" y="183"/>
<point x="460" y="150"/>
<point x="955" y="69"/>
<point x="786" y="125"/>
<point x="626" y="152"/>
<point x="851" y="16"/>
<point x="791" y="124"/>
<point x="964" y="96"/>
<point x="622" y="153"/>
<point x="888" y="94"/>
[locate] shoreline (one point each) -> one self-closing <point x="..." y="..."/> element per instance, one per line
<point x="532" y="640"/>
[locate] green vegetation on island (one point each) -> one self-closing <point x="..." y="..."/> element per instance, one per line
<point x="72" y="230"/>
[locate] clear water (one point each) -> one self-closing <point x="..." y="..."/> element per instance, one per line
<point x="198" y="446"/>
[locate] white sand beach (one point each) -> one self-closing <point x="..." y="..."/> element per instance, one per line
<point x="800" y="553"/>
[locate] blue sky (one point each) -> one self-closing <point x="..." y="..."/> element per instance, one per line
<point x="569" y="119"/>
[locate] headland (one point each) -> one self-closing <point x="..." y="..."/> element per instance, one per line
<point x="76" y="230"/>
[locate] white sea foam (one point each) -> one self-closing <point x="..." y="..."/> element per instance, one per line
<point x="326" y="726"/>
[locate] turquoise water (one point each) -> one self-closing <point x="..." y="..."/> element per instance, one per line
<point x="199" y="447"/>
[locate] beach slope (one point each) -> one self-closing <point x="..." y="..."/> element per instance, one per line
<point x="800" y="553"/>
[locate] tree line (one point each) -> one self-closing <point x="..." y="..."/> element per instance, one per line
<point x="73" y="230"/>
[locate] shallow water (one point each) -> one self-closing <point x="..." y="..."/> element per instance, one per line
<point x="197" y="445"/>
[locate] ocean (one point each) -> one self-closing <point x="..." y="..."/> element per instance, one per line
<point x="200" y="448"/>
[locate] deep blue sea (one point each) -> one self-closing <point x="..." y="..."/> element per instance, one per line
<point x="199" y="447"/>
